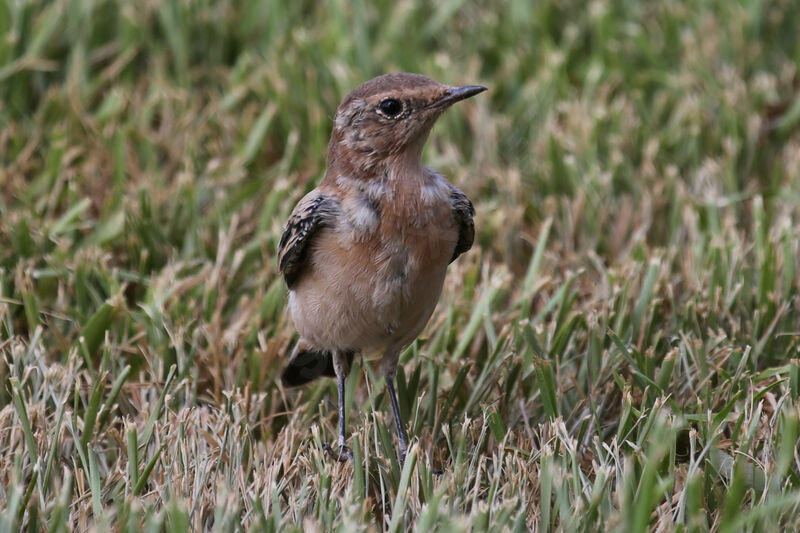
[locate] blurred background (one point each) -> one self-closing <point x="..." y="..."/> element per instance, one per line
<point x="635" y="169"/>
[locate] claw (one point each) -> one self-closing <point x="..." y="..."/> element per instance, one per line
<point x="343" y="455"/>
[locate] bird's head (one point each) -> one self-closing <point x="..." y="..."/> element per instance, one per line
<point x="388" y="116"/>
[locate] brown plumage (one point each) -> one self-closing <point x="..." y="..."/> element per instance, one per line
<point x="365" y="253"/>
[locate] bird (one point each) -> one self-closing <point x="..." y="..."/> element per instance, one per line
<point x="364" y="254"/>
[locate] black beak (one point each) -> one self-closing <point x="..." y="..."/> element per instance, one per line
<point x="456" y="94"/>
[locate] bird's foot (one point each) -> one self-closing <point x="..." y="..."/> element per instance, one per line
<point x="341" y="454"/>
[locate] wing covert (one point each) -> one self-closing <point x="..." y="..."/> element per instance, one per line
<point x="314" y="212"/>
<point x="463" y="212"/>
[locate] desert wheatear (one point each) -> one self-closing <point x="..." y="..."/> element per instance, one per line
<point x="365" y="253"/>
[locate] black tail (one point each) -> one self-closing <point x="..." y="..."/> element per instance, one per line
<point x="308" y="365"/>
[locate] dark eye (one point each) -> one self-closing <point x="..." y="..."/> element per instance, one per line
<point x="391" y="107"/>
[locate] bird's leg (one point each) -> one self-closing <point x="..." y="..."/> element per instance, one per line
<point x="398" y="421"/>
<point x="343" y="453"/>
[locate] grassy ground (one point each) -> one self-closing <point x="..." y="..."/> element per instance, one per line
<point x="619" y="351"/>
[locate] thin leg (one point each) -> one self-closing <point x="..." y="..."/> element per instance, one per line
<point x="344" y="453"/>
<point x="342" y="417"/>
<point x="398" y="421"/>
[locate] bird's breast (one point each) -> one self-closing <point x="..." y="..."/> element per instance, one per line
<point x="378" y="272"/>
<point x="397" y="248"/>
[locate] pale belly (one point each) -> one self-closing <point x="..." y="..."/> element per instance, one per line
<point x="372" y="296"/>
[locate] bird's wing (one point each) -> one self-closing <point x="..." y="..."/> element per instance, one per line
<point x="314" y="212"/>
<point x="463" y="213"/>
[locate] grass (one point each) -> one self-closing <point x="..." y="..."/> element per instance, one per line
<point x="620" y="350"/>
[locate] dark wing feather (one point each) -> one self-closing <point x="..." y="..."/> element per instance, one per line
<point x="463" y="213"/>
<point x="313" y="212"/>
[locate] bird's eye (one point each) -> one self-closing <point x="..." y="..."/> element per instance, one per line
<point x="390" y="107"/>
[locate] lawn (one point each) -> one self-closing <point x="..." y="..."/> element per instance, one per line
<point x="620" y="350"/>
